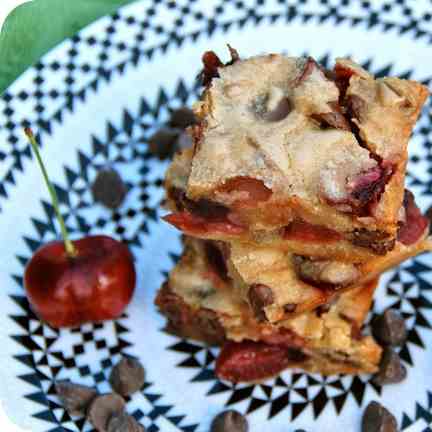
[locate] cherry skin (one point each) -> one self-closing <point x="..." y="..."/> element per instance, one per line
<point x="96" y="284"/>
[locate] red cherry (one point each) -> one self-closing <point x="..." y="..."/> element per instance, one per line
<point x="95" y="284"/>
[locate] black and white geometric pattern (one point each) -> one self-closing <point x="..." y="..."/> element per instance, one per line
<point x="101" y="95"/>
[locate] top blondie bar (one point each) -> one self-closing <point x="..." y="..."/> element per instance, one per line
<point x="285" y="148"/>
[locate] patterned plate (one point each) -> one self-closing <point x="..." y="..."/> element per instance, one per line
<point x="95" y="100"/>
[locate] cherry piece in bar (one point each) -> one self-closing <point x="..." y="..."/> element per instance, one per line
<point x="69" y="283"/>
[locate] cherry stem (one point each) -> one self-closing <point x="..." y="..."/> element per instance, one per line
<point x="70" y="248"/>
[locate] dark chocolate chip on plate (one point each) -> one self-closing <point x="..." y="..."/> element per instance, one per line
<point x="103" y="408"/>
<point x="163" y="143"/>
<point x="182" y="118"/>
<point x="127" y="376"/>
<point x="389" y="328"/>
<point x="109" y="189"/>
<point x="76" y="398"/>
<point x="391" y="370"/>
<point x="229" y="421"/>
<point x="377" y="418"/>
<point x="124" y="423"/>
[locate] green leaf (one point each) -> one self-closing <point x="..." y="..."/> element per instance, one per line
<point x="34" y="28"/>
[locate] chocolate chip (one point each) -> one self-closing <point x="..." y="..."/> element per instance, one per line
<point x="260" y="296"/>
<point x="124" y="423"/>
<point x="296" y="355"/>
<point x="76" y="398"/>
<point x="378" y="241"/>
<point x="290" y="307"/>
<point x="182" y="118"/>
<point x="216" y="260"/>
<point x="103" y="408"/>
<point x="321" y="310"/>
<point x="391" y="370"/>
<point x="127" y="376"/>
<point x="109" y="189"/>
<point x="162" y="144"/>
<point x="280" y="111"/>
<point x="377" y="418"/>
<point x="334" y="118"/>
<point x="389" y="328"/>
<point x="229" y="421"/>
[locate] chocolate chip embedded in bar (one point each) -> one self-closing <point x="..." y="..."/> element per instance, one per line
<point x="378" y="241"/>
<point x="333" y="274"/>
<point x="334" y="118"/>
<point x="260" y="296"/>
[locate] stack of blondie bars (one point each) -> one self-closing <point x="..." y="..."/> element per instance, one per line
<point x="292" y="202"/>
